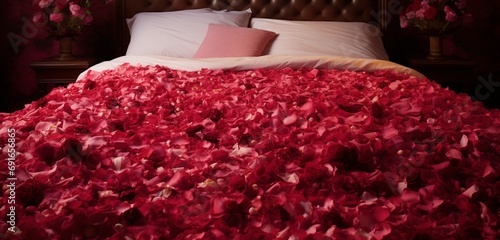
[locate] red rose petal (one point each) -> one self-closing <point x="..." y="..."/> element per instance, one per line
<point x="454" y="154"/>
<point x="389" y="132"/>
<point x="290" y="119"/>
<point x="180" y="141"/>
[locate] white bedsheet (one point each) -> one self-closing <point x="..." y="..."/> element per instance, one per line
<point x="245" y="63"/>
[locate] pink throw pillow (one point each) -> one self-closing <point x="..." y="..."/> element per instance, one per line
<point x="231" y="41"/>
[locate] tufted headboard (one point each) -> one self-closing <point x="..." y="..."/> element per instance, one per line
<point x="371" y="11"/>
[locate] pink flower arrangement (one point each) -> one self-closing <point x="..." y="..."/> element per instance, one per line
<point x="432" y="15"/>
<point x="65" y="17"/>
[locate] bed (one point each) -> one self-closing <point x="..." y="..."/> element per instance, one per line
<point x="282" y="145"/>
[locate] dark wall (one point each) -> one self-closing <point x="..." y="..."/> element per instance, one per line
<point x="23" y="43"/>
<point x="480" y="38"/>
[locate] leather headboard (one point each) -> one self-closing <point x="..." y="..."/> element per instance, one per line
<point x="307" y="10"/>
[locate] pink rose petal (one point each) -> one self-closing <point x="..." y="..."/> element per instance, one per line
<point x="290" y="178"/>
<point x="410" y="196"/>
<point x="464" y="141"/>
<point x="454" y="154"/>
<point x="389" y="132"/>
<point x="470" y="191"/>
<point x="180" y="141"/>
<point x="290" y="119"/>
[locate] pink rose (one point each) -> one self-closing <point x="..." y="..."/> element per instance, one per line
<point x="45" y="3"/>
<point x="76" y="10"/>
<point x="403" y="22"/>
<point x="38" y="17"/>
<point x="451" y="16"/>
<point x="56" y="17"/>
<point x="420" y="13"/>
<point x="411" y="15"/>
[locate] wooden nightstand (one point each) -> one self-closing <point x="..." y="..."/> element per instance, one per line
<point x="52" y="72"/>
<point x="457" y="74"/>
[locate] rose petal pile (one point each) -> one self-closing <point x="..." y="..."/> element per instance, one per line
<point x="147" y="152"/>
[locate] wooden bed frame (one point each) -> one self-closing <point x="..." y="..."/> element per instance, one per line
<point x="370" y="11"/>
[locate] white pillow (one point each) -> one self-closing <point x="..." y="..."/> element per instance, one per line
<point x="178" y="33"/>
<point x="349" y="39"/>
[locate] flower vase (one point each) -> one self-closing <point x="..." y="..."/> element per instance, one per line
<point x="435" y="50"/>
<point x="65" y="48"/>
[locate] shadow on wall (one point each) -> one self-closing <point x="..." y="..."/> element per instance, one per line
<point x="23" y="43"/>
<point x="479" y="38"/>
